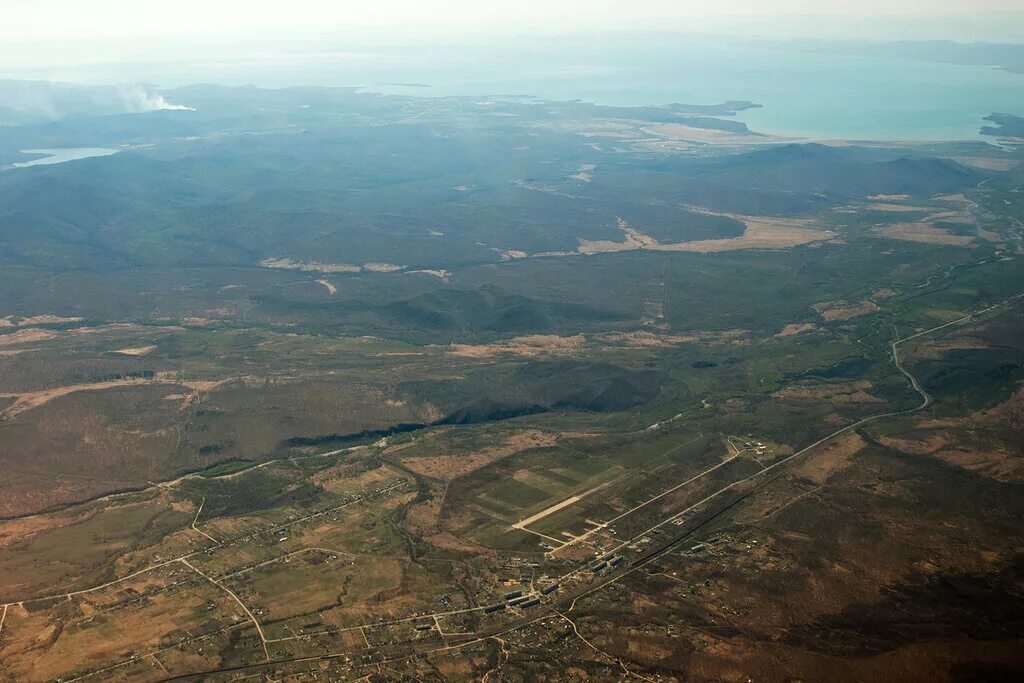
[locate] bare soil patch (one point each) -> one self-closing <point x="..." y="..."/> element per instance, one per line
<point x="988" y="163"/>
<point x="998" y="465"/>
<point x="925" y="232"/>
<point x="383" y="267"/>
<point x="135" y="351"/>
<point x="760" y="233"/>
<point x="634" y="240"/>
<point x="898" y="208"/>
<point x="834" y="457"/>
<point x="938" y="347"/>
<point x="645" y="339"/>
<point x="26" y="336"/>
<point x="994" y="463"/>
<point x="955" y="216"/>
<point x="448" y="467"/>
<point x="680" y="131"/>
<point x="440" y="274"/>
<point x="309" y="266"/>
<point x="29" y="400"/>
<point x="793" y="329"/>
<point x="529" y="346"/>
<point x="16" y="321"/>
<point x="845" y="392"/>
<point x="844" y="310"/>
<point x="447" y="541"/>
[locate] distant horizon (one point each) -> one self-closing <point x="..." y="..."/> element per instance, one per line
<point x="812" y="90"/>
<point x="126" y="62"/>
<point x="51" y="38"/>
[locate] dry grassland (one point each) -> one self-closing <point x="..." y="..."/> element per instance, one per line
<point x="834" y="457"/>
<point x="846" y="392"/>
<point x="844" y="310"/>
<point x="926" y="233"/>
<point x="793" y="329"/>
<point x="528" y="346"/>
<point x="448" y="467"/>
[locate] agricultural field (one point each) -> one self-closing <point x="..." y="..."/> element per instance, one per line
<point x="676" y="406"/>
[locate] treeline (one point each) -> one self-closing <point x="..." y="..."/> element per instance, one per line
<point x="129" y="374"/>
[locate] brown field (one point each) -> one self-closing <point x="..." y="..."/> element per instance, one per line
<point x="835" y="456"/>
<point x="633" y="240"/>
<point x="897" y="208"/>
<point x="303" y="583"/>
<point x="646" y="339"/>
<point x="48" y="554"/>
<point x="952" y="440"/>
<point x="760" y="233"/>
<point x="844" y="310"/>
<point x="989" y="163"/>
<point x="448" y="467"/>
<point x="996" y="464"/>
<point x="794" y="329"/>
<point x="26" y="336"/>
<point x="34" y="399"/>
<point x="681" y="131"/>
<point x="932" y="442"/>
<point x="529" y="346"/>
<point x="310" y="266"/>
<point x="50" y="643"/>
<point x="927" y="233"/>
<point x="955" y="216"/>
<point x="845" y="392"/>
<point x="15" y="352"/>
<point x="45" y="319"/>
<point x="351" y="477"/>
<point x="936" y="348"/>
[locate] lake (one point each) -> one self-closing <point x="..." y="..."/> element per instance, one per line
<point x="61" y="155"/>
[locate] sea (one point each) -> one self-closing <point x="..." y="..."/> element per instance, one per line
<point x="815" y="94"/>
<point x="801" y="93"/>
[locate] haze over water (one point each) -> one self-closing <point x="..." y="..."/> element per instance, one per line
<point x="813" y="94"/>
<point x="818" y="94"/>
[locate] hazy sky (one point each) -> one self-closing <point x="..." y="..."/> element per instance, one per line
<point x="66" y="32"/>
<point x="89" y="18"/>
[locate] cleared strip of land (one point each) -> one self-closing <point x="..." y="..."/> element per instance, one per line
<point x="555" y="508"/>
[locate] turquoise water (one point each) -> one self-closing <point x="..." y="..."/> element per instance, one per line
<point x="808" y="94"/>
<point x="803" y="94"/>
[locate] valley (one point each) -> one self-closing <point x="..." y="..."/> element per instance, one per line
<point x="345" y="386"/>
